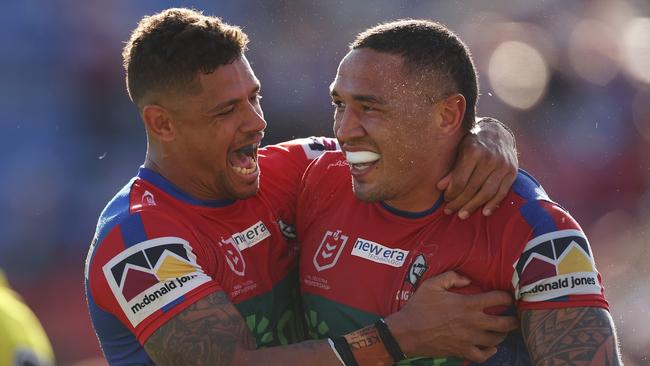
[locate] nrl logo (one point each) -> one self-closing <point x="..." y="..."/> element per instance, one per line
<point x="330" y="250"/>
<point x="234" y="257"/>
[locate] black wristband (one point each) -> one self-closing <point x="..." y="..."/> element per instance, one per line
<point x="344" y="350"/>
<point x="389" y="341"/>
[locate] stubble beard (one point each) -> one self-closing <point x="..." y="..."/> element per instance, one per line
<point x="378" y="192"/>
<point x="231" y="192"/>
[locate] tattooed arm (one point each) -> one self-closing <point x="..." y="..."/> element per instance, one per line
<point x="571" y="336"/>
<point x="212" y="332"/>
<point x="434" y="323"/>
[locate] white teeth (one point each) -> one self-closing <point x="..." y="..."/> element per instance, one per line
<point x="246" y="171"/>
<point x="361" y="157"/>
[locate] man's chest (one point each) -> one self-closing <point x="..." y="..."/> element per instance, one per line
<point x="375" y="264"/>
<point x="244" y="250"/>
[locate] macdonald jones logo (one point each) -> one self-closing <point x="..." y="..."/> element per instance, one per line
<point x="150" y="275"/>
<point x="554" y="265"/>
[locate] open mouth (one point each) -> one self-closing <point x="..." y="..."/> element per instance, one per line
<point x="244" y="160"/>
<point x="361" y="160"/>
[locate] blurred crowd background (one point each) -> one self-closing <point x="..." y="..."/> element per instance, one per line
<point x="572" y="79"/>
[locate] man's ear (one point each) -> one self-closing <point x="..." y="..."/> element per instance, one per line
<point x="158" y="122"/>
<point x="451" y="111"/>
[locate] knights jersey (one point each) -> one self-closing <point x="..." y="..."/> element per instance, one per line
<point x="361" y="261"/>
<point x="157" y="250"/>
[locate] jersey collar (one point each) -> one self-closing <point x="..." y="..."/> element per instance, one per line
<point x="169" y="188"/>
<point x="414" y="215"/>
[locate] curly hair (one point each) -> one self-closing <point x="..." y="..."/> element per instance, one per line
<point x="432" y="51"/>
<point x="167" y="50"/>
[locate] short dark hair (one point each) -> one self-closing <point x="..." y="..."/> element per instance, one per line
<point x="167" y="50"/>
<point x="428" y="48"/>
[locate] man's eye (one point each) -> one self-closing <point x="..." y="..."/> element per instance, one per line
<point x="226" y="112"/>
<point x="367" y="108"/>
<point x="256" y="98"/>
<point x="338" y="104"/>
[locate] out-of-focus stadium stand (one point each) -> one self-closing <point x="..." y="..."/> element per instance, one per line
<point x="572" y="79"/>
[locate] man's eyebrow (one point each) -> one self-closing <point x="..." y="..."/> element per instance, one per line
<point x="224" y="104"/>
<point x="367" y="98"/>
<point x="233" y="100"/>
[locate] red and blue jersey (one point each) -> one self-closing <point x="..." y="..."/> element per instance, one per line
<point x="157" y="250"/>
<point x="361" y="261"/>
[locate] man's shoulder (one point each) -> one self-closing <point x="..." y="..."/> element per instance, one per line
<point x="331" y="162"/>
<point x="529" y="201"/>
<point x="526" y="197"/>
<point x="135" y="198"/>
<point x="135" y="212"/>
<point x="329" y="170"/>
<point x="528" y="188"/>
<point x="325" y="184"/>
<point x="116" y="210"/>
<point x="308" y="148"/>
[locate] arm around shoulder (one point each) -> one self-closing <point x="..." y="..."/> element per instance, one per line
<point x="211" y="331"/>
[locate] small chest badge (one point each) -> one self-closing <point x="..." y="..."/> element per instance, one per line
<point x="416" y="271"/>
<point x="233" y="255"/>
<point x="330" y="250"/>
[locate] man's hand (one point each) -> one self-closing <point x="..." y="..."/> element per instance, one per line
<point x="485" y="169"/>
<point x="437" y="322"/>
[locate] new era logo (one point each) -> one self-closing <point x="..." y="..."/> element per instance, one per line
<point x="330" y="249"/>
<point x="367" y="249"/>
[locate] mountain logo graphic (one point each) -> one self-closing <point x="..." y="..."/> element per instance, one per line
<point x="556" y="264"/>
<point x="149" y="275"/>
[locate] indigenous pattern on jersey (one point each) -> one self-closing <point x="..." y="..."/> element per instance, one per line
<point x="361" y="261"/>
<point x="158" y="250"/>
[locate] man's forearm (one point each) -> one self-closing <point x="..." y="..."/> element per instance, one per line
<point x="212" y="332"/>
<point x="365" y="344"/>
<point x="570" y="336"/>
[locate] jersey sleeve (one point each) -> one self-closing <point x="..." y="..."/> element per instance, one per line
<point x="282" y="167"/>
<point x="556" y="267"/>
<point x="146" y="270"/>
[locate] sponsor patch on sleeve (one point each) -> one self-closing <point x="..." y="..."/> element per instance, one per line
<point x="553" y="265"/>
<point x="316" y="146"/>
<point x="152" y="274"/>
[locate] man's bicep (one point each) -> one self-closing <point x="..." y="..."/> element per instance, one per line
<point x="210" y="331"/>
<point x="582" y="335"/>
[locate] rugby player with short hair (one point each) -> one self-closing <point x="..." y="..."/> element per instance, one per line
<point x="190" y="263"/>
<point x="371" y="230"/>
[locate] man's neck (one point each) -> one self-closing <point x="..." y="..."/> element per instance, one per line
<point x="415" y="203"/>
<point x="425" y="194"/>
<point x="177" y="175"/>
